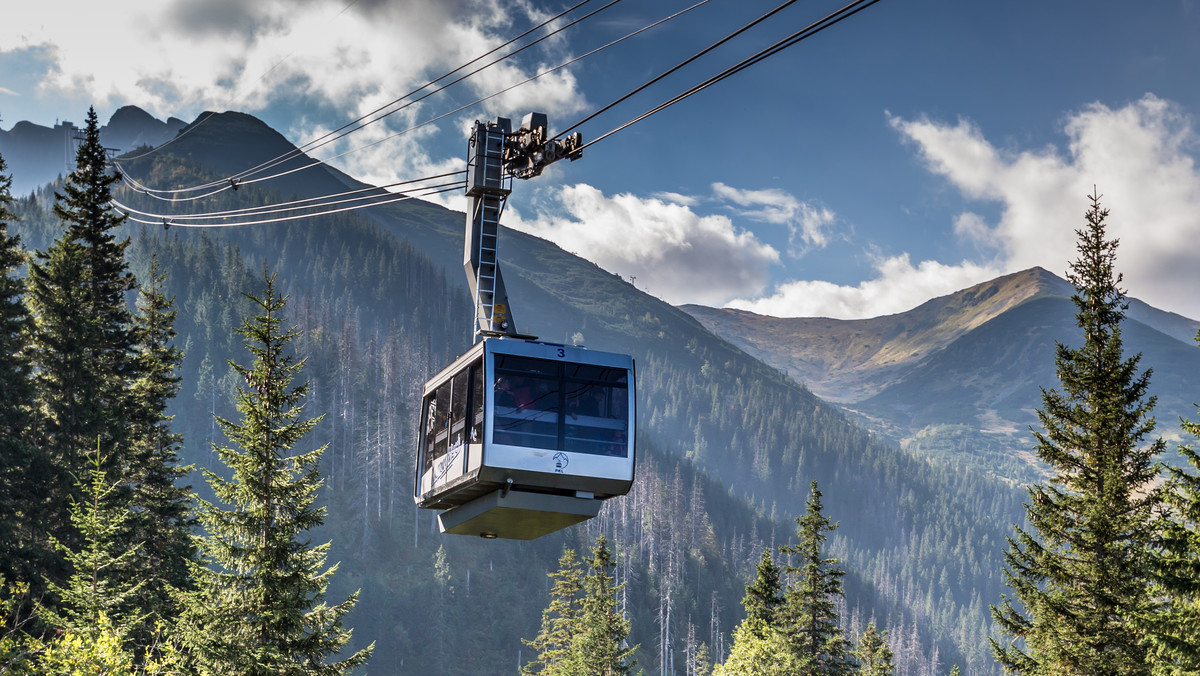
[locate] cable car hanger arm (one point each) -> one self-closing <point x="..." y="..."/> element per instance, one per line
<point x="496" y="155"/>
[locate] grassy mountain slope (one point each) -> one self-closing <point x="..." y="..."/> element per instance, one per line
<point x="850" y="360"/>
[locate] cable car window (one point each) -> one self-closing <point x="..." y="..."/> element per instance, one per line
<point x="436" y="424"/>
<point x="597" y="420"/>
<point x="429" y="429"/>
<point x="476" y="403"/>
<point x="527" y="402"/>
<point x="580" y="408"/>
<point x="458" y="408"/>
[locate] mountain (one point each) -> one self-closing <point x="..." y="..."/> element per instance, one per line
<point x="36" y="155"/>
<point x="131" y="127"/>
<point x="960" y="375"/>
<point x="727" y="445"/>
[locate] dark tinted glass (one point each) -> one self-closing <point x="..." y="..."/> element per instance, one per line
<point x="580" y="408"/>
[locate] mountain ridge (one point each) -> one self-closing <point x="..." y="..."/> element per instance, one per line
<point x="37" y="154"/>
<point x="960" y="376"/>
<point x="850" y="359"/>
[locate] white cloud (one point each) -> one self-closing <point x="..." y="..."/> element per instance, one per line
<point x="675" y="253"/>
<point x="684" y="200"/>
<point x="898" y="286"/>
<point x="972" y="227"/>
<point x="177" y="57"/>
<point x="807" y="224"/>
<point x="6" y="90"/>
<point x="1140" y="158"/>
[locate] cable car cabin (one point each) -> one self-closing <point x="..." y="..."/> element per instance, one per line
<point x="519" y="438"/>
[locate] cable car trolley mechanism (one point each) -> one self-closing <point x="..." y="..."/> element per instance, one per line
<point x="519" y="438"/>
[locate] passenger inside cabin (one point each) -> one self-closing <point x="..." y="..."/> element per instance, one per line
<point x="513" y="392"/>
<point x="589" y="403"/>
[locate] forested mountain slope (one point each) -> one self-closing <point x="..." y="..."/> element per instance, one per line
<point x="728" y="445"/>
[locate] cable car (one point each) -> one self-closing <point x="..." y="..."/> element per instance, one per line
<point x="522" y="438"/>
<point x="519" y="438"/>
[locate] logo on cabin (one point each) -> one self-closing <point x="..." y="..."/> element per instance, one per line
<point x="560" y="462"/>
<point x="442" y="465"/>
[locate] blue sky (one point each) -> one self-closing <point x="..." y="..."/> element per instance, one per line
<point x="910" y="151"/>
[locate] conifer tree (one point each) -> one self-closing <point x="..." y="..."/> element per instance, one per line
<point x="759" y="646"/>
<point x="98" y="590"/>
<point x="560" y="619"/>
<point x="1080" y="575"/>
<point x="873" y="654"/>
<point x="809" y="618"/>
<point x="65" y="399"/>
<point x="600" y="643"/>
<point x="82" y="338"/>
<point x="757" y="650"/>
<point x="162" y="522"/>
<point x="260" y="607"/>
<point x="701" y="662"/>
<point x="16" y="401"/>
<point x="1174" y="630"/>
<point x="763" y="599"/>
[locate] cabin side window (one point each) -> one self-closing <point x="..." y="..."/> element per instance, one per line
<point x="451" y="412"/>
<point x="458" y="408"/>
<point x="476" y="403"/>
<point x="437" y="411"/>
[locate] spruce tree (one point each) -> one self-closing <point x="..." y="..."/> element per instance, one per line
<point x="873" y="654"/>
<point x="82" y="339"/>
<point x="66" y="401"/>
<point x="763" y="595"/>
<point x="1080" y="575"/>
<point x="600" y="646"/>
<point x="757" y="650"/>
<point x="163" y="521"/>
<point x="809" y="618"/>
<point x="1174" y="629"/>
<point x="260" y="605"/>
<point x="560" y="619"/>
<point x="98" y="590"/>
<point x="16" y="401"/>
<point x="759" y="646"/>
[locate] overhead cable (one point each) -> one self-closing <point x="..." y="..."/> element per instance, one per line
<point x="810" y="30"/>
<point x="321" y="201"/>
<point x="676" y="67"/>
<point x="334" y="135"/>
<point x="500" y="92"/>
<point x="278" y="209"/>
<point x="437" y="118"/>
<point x="181" y="221"/>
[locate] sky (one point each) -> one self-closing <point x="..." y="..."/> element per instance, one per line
<point x="912" y="150"/>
